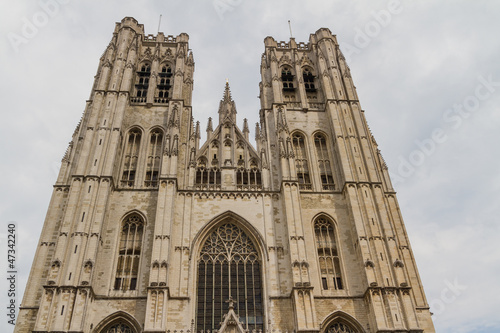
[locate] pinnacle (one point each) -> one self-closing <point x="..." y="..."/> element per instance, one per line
<point x="227" y="93"/>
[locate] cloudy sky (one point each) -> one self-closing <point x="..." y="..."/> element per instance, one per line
<point x="427" y="74"/>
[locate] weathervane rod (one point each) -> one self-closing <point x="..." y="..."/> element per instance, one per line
<point x="159" y="22"/>
<point x="290" y="26"/>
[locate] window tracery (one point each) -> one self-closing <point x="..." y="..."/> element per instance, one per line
<point x="131" y="157"/>
<point x="207" y="176"/>
<point x="329" y="261"/>
<point x="229" y="267"/>
<point x="301" y="163"/>
<point x="129" y="253"/>
<point x="339" y="327"/>
<point x="324" y="164"/>
<point x="248" y="178"/>
<point x="119" y="328"/>
<point x="154" y="158"/>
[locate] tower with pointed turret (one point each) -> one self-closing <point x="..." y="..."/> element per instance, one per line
<point x="149" y="231"/>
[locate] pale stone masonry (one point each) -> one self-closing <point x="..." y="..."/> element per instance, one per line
<point x="148" y="230"/>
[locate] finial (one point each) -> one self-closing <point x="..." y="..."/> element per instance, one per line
<point x="197" y="130"/>
<point x="290" y="27"/>
<point x="227" y="80"/>
<point x="245" y="124"/>
<point x="209" y="125"/>
<point x="231" y="303"/>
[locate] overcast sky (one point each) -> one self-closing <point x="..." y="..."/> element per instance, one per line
<point x="428" y="78"/>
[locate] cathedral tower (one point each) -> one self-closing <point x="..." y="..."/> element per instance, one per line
<point x="149" y="231"/>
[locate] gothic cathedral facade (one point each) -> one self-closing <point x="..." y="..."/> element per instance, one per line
<point x="150" y="230"/>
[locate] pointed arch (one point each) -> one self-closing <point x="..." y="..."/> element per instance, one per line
<point x="229" y="267"/>
<point x="340" y="322"/>
<point x="131" y="156"/>
<point x="135" y="211"/>
<point x="326" y="216"/>
<point x="156" y="128"/>
<point x="118" y="318"/>
<point x="229" y="215"/>
<point x="154" y="156"/>
<point x="300" y="151"/>
<point x="324" y="161"/>
<point x="135" y="127"/>
<point x="202" y="162"/>
<point x="330" y="270"/>
<point x="132" y="232"/>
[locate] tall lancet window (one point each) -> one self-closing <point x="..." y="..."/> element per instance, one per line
<point x="324" y="164"/>
<point x="129" y="253"/>
<point x="329" y="261"/>
<point x="142" y="83"/>
<point x="301" y="163"/>
<point x="164" y="85"/>
<point x="130" y="158"/>
<point x="153" y="158"/>
<point x="229" y="267"/>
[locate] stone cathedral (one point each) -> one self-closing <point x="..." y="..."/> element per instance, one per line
<point x="151" y="230"/>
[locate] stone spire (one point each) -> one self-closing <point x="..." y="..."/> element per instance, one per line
<point x="210" y="128"/>
<point x="246" y="131"/>
<point x="257" y="132"/>
<point x="227" y="108"/>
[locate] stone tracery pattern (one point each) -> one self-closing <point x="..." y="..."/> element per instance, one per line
<point x="119" y="328"/>
<point x="229" y="267"/>
<point x="340" y="328"/>
<point x="127" y="269"/>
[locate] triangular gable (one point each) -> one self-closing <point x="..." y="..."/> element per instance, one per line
<point x="231" y="322"/>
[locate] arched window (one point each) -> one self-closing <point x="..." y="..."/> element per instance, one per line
<point x="329" y="261"/>
<point x="248" y="178"/>
<point x="142" y="83"/>
<point x="129" y="253"/>
<point x="164" y="85"/>
<point x="324" y="165"/>
<point x="153" y="158"/>
<point x="208" y="176"/>
<point x="119" y="328"/>
<point x="287" y="79"/>
<point x="130" y="158"/>
<point x="339" y="327"/>
<point x="308" y="78"/>
<point x="229" y="267"/>
<point x="301" y="163"/>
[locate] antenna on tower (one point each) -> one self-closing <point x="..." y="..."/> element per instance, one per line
<point x="290" y="27"/>
<point x="159" y="22"/>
